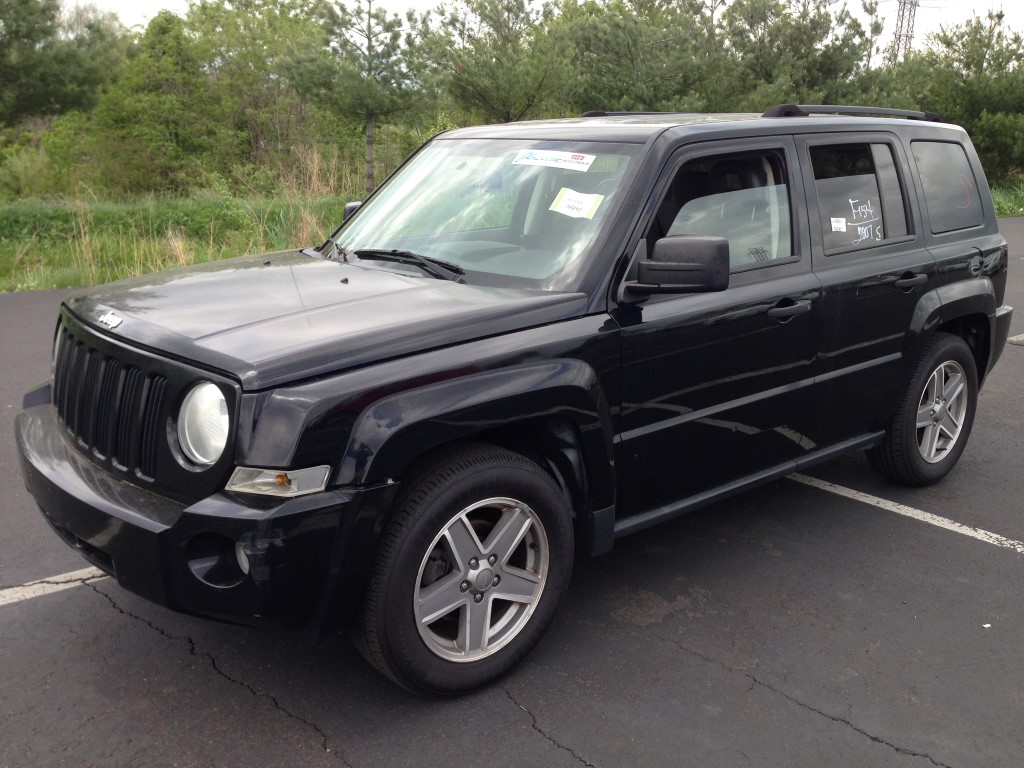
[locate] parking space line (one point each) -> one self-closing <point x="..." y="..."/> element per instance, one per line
<point x="47" y="586"/>
<point x="916" y="514"/>
<point x="64" y="581"/>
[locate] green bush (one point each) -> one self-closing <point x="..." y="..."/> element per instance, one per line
<point x="24" y="173"/>
<point x="999" y="139"/>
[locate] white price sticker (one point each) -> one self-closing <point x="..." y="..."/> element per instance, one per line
<point x="578" y="205"/>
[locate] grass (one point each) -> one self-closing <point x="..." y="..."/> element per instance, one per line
<point x="75" y="243"/>
<point x="1009" y="198"/>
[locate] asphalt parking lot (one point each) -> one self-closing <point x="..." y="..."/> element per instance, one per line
<point x="791" y="626"/>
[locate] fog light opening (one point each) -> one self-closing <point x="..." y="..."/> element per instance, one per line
<point x="214" y="560"/>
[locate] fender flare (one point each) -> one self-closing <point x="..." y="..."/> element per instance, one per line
<point x="945" y="304"/>
<point x="392" y="432"/>
<point x="962" y="298"/>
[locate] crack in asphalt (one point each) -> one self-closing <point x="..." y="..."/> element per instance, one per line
<point x="56" y="582"/>
<point x="194" y="651"/>
<point x="834" y="718"/>
<point x="538" y="729"/>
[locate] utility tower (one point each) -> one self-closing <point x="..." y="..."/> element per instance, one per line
<point x="904" y="28"/>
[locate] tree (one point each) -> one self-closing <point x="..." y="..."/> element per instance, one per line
<point x="973" y="74"/>
<point x="794" y="50"/>
<point x="50" y="64"/>
<point x="498" y="58"/>
<point x="94" y="44"/>
<point x="244" y="47"/>
<point x="982" y="63"/>
<point x="363" y="70"/>
<point x="26" y="27"/>
<point x="630" y="54"/>
<point x="153" y="130"/>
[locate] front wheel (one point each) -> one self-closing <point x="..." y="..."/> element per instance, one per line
<point x="930" y="428"/>
<point x="470" y="571"/>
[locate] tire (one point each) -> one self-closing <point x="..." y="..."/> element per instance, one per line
<point x="469" y="573"/>
<point x="933" y="421"/>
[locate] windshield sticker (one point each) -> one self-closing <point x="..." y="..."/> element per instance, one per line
<point x="838" y="225"/>
<point x="569" y="160"/>
<point x="578" y="205"/>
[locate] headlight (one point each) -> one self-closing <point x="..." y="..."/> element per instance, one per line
<point x="203" y="424"/>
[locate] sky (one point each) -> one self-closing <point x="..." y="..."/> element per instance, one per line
<point x="930" y="15"/>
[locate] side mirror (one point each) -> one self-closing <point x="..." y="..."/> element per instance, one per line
<point x="351" y="208"/>
<point x="684" y="264"/>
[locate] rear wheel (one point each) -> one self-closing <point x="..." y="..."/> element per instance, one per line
<point x="470" y="571"/>
<point x="930" y="429"/>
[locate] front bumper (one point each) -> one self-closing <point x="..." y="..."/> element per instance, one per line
<point x="184" y="556"/>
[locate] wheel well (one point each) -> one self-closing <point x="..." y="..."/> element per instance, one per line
<point x="550" y="442"/>
<point x="553" y="443"/>
<point x="974" y="330"/>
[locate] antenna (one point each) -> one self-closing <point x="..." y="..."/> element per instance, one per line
<point x="904" y="28"/>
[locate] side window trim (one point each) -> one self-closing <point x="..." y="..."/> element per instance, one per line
<point x="785" y="146"/>
<point x="904" y="178"/>
<point x="888" y="169"/>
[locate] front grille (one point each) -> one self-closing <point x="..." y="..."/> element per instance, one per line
<point x="110" y="407"/>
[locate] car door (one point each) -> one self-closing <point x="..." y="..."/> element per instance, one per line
<point x="874" y="269"/>
<point x="715" y="386"/>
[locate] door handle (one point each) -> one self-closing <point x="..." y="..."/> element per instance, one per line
<point x="911" y="280"/>
<point x="781" y="310"/>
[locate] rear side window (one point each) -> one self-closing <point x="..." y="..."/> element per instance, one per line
<point x="950" y="189"/>
<point x="860" y="199"/>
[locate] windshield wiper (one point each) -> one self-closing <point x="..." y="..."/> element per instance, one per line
<point x="442" y="270"/>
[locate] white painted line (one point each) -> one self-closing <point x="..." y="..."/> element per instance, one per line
<point x="64" y="581"/>
<point x="916" y="514"/>
<point x="1018" y="340"/>
<point x="48" y="586"/>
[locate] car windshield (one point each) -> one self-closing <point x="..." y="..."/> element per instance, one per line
<point x="507" y="213"/>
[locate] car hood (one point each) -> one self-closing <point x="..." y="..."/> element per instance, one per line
<point x="278" y="317"/>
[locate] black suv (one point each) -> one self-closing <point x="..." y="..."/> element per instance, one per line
<point x="531" y="340"/>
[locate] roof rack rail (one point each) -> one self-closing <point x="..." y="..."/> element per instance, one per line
<point x="603" y="113"/>
<point x="806" y="110"/>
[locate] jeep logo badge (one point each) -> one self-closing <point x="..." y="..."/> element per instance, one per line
<point x="110" y="320"/>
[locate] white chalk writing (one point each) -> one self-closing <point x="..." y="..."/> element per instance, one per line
<point x="861" y="210"/>
<point x="867" y="232"/>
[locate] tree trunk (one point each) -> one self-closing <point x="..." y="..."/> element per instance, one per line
<point x="369" y="154"/>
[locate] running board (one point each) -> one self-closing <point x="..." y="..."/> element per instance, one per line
<point x="643" y="520"/>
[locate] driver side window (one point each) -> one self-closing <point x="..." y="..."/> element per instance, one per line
<point x="743" y="197"/>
